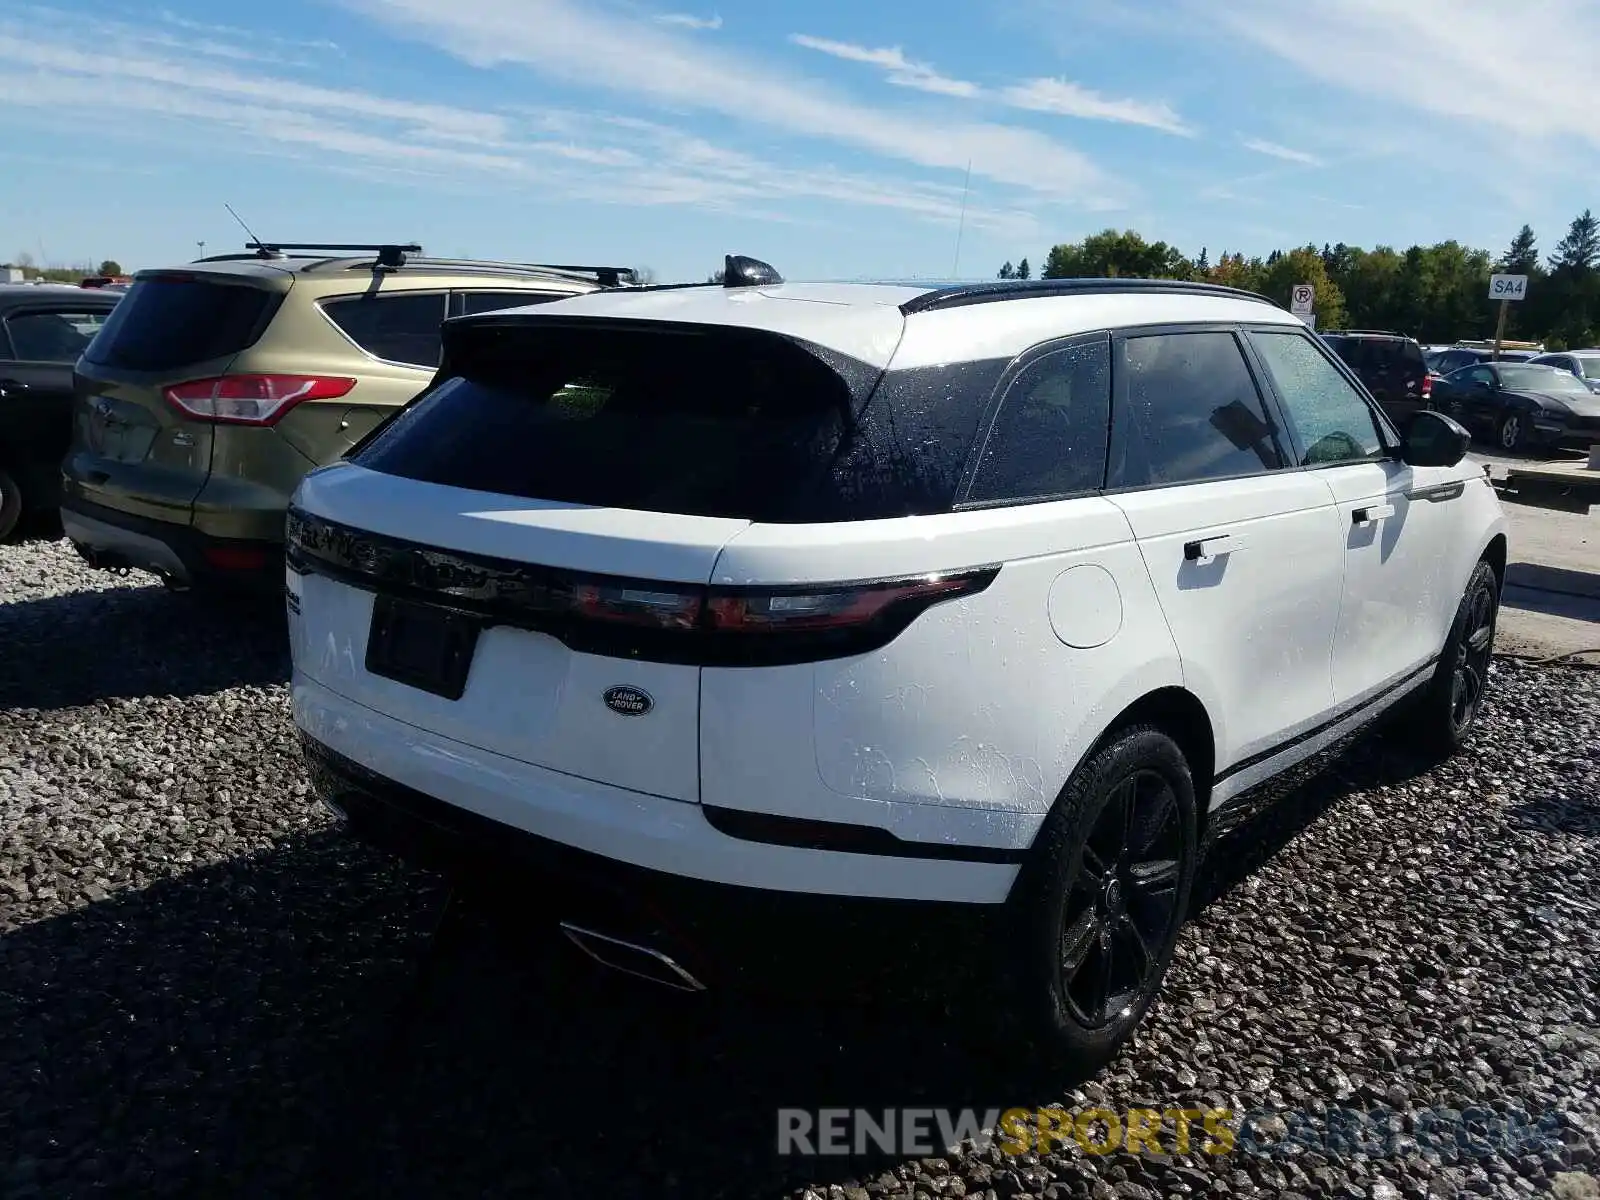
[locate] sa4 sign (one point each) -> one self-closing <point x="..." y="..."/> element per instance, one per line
<point x="1508" y="287"/>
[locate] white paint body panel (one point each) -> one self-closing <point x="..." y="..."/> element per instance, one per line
<point x="861" y="320"/>
<point x="528" y="696"/>
<point x="981" y="331"/>
<point x="965" y="726"/>
<point x="647" y="831"/>
<point x="1398" y="596"/>
<point x="1254" y="627"/>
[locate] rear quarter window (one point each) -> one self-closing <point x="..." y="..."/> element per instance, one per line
<point x="401" y="327"/>
<point x="1049" y="437"/>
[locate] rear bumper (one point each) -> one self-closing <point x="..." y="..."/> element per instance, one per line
<point x="482" y="810"/>
<point x="107" y="537"/>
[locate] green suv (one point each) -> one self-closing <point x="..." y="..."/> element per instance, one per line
<point x="215" y="386"/>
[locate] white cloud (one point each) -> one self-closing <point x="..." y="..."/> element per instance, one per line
<point x="1058" y="97"/>
<point x="1371" y="47"/>
<point x="901" y="71"/>
<point x="690" y="21"/>
<point x="1286" y="153"/>
<point x="1068" y="99"/>
<point x="255" y="37"/>
<point x="130" y="92"/>
<point x="562" y="39"/>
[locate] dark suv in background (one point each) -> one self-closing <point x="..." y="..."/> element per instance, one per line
<point x="217" y="384"/>
<point x="1391" y="366"/>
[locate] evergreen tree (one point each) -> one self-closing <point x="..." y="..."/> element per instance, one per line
<point x="1006" y="272"/>
<point x="1580" y="250"/>
<point x="1522" y="256"/>
<point x="1024" y="271"/>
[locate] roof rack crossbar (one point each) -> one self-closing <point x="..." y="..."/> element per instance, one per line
<point x="390" y="254"/>
<point x="984" y="293"/>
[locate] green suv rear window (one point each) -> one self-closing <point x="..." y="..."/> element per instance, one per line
<point x="170" y="321"/>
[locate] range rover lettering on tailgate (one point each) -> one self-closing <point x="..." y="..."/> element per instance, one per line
<point x="985" y="598"/>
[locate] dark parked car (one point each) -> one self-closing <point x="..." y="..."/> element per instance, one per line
<point x="1443" y="362"/>
<point x="1389" y="364"/>
<point x="1585" y="364"/>
<point x="1522" y="405"/>
<point x="43" y="329"/>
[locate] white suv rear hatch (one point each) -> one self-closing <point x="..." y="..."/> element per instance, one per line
<point x="519" y="562"/>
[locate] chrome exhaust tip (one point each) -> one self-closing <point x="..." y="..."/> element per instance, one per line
<point x="631" y="958"/>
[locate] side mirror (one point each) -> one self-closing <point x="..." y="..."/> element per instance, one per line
<point x="1434" y="440"/>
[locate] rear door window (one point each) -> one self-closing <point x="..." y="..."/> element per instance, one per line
<point x="1332" y="421"/>
<point x="1049" y="437"/>
<point x="52" y="335"/>
<point x="1187" y="409"/>
<point x="703" y="421"/>
<point x="169" y="321"/>
<point x="401" y="327"/>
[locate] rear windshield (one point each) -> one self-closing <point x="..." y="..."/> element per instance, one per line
<point x="1343" y="347"/>
<point x="708" y="421"/>
<point x="169" y="321"/>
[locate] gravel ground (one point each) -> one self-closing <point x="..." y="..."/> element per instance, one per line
<point x="206" y="989"/>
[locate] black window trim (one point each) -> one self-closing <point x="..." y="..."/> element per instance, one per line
<point x="368" y="294"/>
<point x="458" y="298"/>
<point x="1388" y="436"/>
<point x="1268" y="398"/>
<point x="991" y="414"/>
<point x="33" y="308"/>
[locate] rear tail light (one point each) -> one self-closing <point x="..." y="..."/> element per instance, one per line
<point x="777" y="612"/>
<point x="235" y="558"/>
<point x="748" y="626"/>
<point x="252" y="399"/>
<point x="644" y="607"/>
<point x="717" y="626"/>
<point x="1427" y="386"/>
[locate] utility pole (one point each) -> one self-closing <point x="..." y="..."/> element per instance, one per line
<point x="202" y="246"/>
<point x="1500" y="328"/>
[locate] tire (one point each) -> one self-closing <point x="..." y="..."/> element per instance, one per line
<point x="1447" y="709"/>
<point x="1512" y="432"/>
<point x="10" y="506"/>
<point x="1083" y="900"/>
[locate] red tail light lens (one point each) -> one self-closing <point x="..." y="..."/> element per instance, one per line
<point x="778" y="612"/>
<point x="1427" y="386"/>
<point x="252" y="399"/>
<point x="648" y="608"/>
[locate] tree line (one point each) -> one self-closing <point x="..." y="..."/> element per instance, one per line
<point x="71" y="273"/>
<point x="1437" y="293"/>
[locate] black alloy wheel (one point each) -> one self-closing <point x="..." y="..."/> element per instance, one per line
<point x="1105" y="896"/>
<point x="1122" y="907"/>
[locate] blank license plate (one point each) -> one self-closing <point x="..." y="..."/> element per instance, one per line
<point x="421" y="646"/>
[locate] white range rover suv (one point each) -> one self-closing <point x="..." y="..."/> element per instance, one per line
<point x="719" y="601"/>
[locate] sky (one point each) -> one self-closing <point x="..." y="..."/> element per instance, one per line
<point x="834" y="139"/>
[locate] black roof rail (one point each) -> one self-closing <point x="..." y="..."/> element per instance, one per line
<point x="390" y="254"/>
<point x="607" y="276"/>
<point x="956" y="295"/>
<point x="1366" y="332"/>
